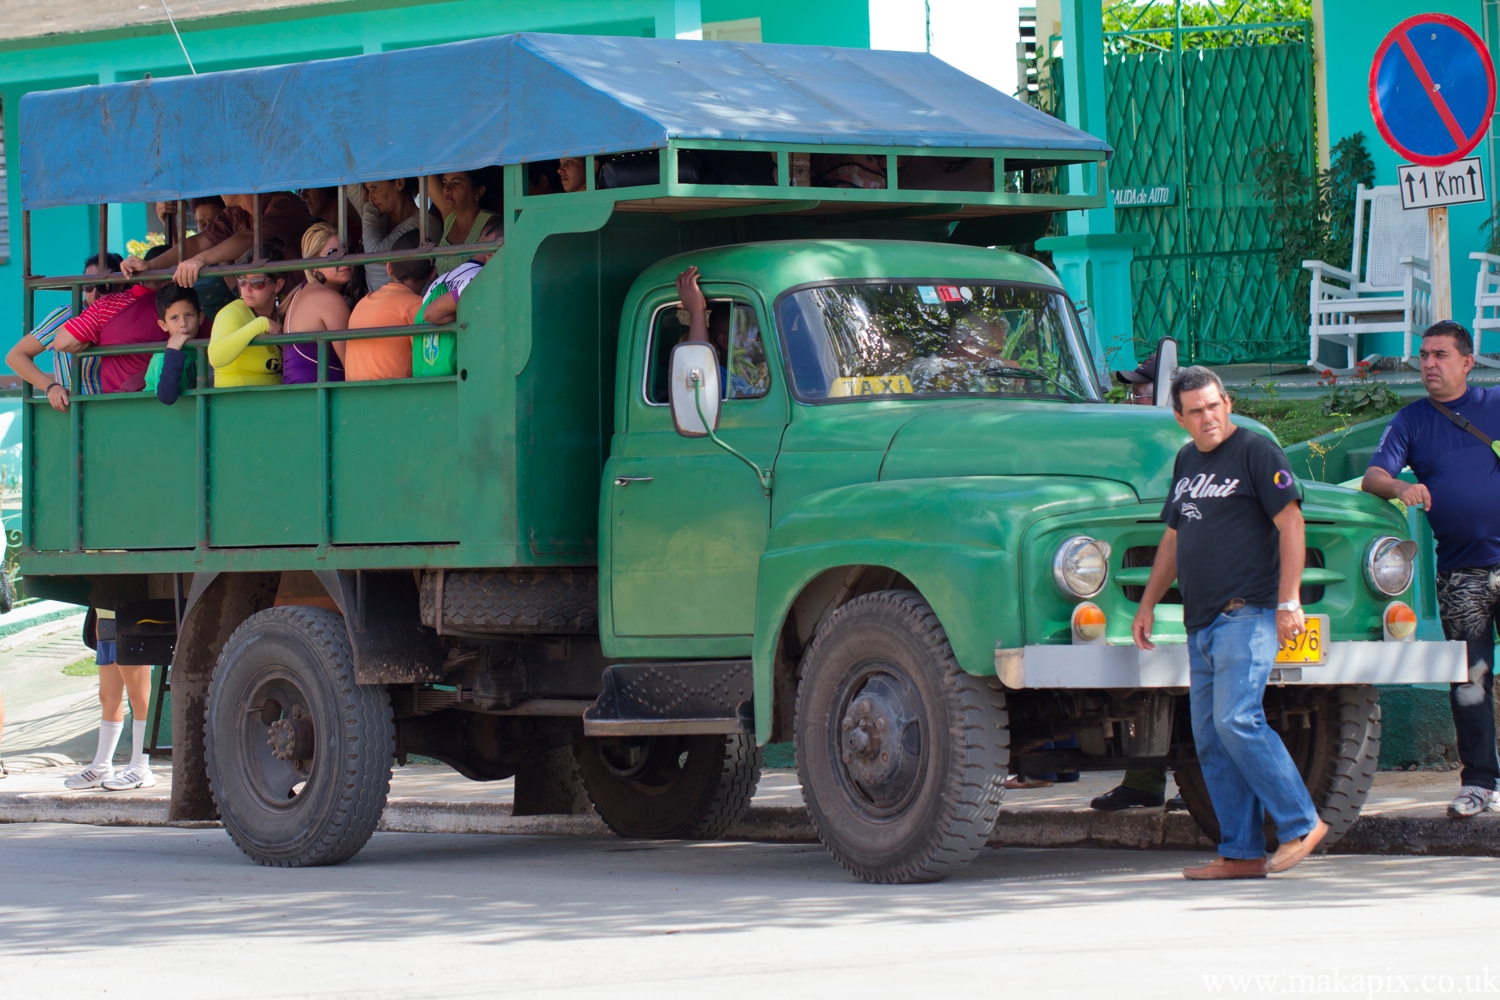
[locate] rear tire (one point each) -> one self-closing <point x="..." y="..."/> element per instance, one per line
<point x="1337" y="758"/>
<point x="902" y="755"/>
<point x="669" y="787"/>
<point x="299" y="754"/>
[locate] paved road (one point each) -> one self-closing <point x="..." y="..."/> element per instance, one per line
<point x="175" y="913"/>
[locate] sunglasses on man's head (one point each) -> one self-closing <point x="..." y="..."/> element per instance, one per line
<point x="255" y="281"/>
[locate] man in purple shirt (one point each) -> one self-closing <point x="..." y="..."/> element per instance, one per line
<point x="1447" y="441"/>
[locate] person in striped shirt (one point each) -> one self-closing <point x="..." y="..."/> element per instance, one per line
<point x="53" y="321"/>
<point x="124" y="317"/>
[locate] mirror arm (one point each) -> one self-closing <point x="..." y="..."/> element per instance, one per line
<point x="763" y="475"/>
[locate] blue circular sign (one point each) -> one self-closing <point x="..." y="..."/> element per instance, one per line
<point x="1432" y="89"/>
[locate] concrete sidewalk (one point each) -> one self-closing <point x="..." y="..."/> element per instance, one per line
<point x="1405" y="813"/>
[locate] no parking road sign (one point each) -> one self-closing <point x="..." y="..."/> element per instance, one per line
<point x="1432" y="89"/>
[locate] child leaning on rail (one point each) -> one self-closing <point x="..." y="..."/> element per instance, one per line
<point x="178" y="313"/>
<point x="235" y="360"/>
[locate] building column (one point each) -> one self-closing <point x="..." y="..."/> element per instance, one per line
<point x="1093" y="260"/>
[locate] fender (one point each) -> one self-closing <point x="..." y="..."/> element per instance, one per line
<point x="957" y="539"/>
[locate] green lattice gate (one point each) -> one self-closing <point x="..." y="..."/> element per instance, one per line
<point x="1186" y="106"/>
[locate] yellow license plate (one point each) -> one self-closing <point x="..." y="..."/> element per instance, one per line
<point x="1310" y="646"/>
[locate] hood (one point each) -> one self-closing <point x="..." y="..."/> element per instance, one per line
<point x="1135" y="445"/>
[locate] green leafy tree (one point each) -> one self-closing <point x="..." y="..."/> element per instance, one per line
<point x="1312" y="220"/>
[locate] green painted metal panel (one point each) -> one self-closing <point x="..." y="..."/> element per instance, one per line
<point x="1192" y="115"/>
<point x="395" y="462"/>
<point x="263" y="467"/>
<point x="50" y="457"/>
<point x="684" y="546"/>
<point x="128" y="505"/>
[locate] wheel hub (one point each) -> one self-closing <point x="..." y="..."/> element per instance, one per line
<point x="291" y="738"/>
<point x="880" y="741"/>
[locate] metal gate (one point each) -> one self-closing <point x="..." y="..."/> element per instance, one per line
<point x="1186" y="107"/>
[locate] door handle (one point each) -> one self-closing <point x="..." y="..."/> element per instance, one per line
<point x="627" y="480"/>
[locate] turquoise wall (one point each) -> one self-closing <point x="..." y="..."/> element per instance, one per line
<point x="828" y="22"/>
<point x="1353" y="29"/>
<point x="63" y="236"/>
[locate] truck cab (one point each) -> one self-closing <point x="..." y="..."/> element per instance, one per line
<point x="877" y="507"/>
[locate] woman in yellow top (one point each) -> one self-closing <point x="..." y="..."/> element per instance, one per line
<point x="236" y="361"/>
<point x="463" y="218"/>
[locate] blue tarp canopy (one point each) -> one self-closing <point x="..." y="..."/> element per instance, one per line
<point x="509" y="99"/>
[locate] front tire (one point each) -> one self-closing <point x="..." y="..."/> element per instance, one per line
<point x="669" y="787"/>
<point x="299" y="754"/>
<point x="902" y="755"/>
<point x="1337" y="756"/>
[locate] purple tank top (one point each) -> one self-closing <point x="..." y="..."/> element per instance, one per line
<point x="299" y="364"/>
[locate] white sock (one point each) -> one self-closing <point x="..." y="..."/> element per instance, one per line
<point x="138" y="744"/>
<point x="109" y="738"/>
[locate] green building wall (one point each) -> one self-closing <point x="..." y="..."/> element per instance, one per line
<point x="62" y="237"/>
<point x="828" y="22"/>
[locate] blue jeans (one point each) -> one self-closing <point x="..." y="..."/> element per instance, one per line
<point x="1245" y="765"/>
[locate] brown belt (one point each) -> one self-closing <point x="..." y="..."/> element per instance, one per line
<point x="1234" y="604"/>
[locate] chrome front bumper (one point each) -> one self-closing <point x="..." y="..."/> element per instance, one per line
<point x="1166" y="666"/>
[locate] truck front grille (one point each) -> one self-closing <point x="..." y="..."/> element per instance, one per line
<point x="1144" y="555"/>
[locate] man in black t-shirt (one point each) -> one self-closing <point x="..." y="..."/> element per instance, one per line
<point x="1234" y="542"/>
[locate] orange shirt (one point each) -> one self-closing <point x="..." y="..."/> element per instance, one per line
<point x="392" y="304"/>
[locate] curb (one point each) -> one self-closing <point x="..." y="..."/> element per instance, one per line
<point x="1134" y="829"/>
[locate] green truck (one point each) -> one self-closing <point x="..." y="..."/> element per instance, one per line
<point x="871" y="501"/>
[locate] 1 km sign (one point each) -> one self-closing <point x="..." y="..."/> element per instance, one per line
<point x="1428" y="187"/>
<point x="1432" y="89"/>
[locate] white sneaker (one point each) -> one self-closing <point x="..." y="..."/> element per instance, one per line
<point x="134" y="776"/>
<point x="91" y="777"/>
<point x="1473" y="800"/>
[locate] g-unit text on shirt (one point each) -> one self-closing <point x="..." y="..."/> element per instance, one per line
<point x="1203" y="485"/>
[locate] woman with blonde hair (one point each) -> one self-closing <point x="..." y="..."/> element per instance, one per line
<point x="321" y="303"/>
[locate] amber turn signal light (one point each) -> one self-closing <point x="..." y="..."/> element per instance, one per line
<point x="1400" y="622"/>
<point x="1088" y="623"/>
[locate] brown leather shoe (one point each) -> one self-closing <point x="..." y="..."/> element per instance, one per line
<point x="1288" y="855"/>
<point x="1227" y="868"/>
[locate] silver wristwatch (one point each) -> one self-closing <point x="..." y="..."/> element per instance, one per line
<point x="1292" y="605"/>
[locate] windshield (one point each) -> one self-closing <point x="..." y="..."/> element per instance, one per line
<point x="877" y="339"/>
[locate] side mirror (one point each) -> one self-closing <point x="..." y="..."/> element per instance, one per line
<point x="694" y="387"/>
<point x="1166" y="370"/>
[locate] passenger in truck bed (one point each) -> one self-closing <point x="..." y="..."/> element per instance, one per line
<point x="124" y="317"/>
<point x="395" y="304"/>
<point x="322" y="303"/>
<point x="387" y="212"/>
<point x="45" y="330"/>
<point x="469" y="195"/>
<point x="235" y="360"/>
<point x="432" y="353"/>
<point x="180" y="316"/>
<point x="283" y="219"/>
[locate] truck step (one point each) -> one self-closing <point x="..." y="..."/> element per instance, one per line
<point x="510" y="601"/>
<point x="660" y="699"/>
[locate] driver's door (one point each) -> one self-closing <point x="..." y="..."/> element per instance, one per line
<point x="688" y="521"/>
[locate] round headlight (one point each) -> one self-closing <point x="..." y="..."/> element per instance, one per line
<point x="1389" y="564"/>
<point x="1081" y="566"/>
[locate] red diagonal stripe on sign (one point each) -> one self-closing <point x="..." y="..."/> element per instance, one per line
<point x="1454" y="129"/>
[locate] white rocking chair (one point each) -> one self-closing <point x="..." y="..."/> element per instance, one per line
<point x="1486" y="296"/>
<point x="1388" y="284"/>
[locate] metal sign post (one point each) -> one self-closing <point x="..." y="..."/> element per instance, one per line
<point x="1432" y="91"/>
